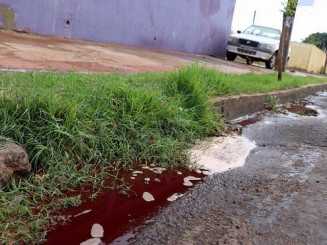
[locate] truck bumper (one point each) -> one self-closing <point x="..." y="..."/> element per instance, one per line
<point x="249" y="53"/>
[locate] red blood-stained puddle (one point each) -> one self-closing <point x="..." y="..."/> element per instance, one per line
<point x="239" y="125"/>
<point x="120" y="215"/>
<point x="301" y="109"/>
<point x="249" y="121"/>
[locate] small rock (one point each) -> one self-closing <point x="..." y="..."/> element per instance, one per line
<point x="148" y="197"/>
<point x="188" y="179"/>
<point x="157" y="180"/>
<point x="17" y="201"/>
<point x="152" y="165"/>
<point x="13" y="162"/>
<point x="179" y="173"/>
<point x="92" y="241"/>
<point x="158" y="170"/>
<point x="206" y="172"/>
<point x="188" y="183"/>
<point x="137" y="172"/>
<point x="198" y="171"/>
<point x="147" y="179"/>
<point x="82" y="213"/>
<point x="97" y="231"/>
<point x="174" y="197"/>
<point x="132" y="177"/>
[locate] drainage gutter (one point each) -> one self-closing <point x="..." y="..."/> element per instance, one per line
<point x="235" y="106"/>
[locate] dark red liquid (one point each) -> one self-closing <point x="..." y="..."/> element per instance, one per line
<point x="120" y="215"/>
<point x="249" y="121"/>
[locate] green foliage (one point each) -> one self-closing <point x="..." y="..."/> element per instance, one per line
<point x="113" y="120"/>
<point x="323" y="70"/>
<point x="272" y="103"/>
<point x="290" y="7"/>
<point x="317" y="39"/>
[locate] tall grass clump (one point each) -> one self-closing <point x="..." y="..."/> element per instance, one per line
<point x="104" y="119"/>
<point x="191" y="88"/>
<point x="117" y="119"/>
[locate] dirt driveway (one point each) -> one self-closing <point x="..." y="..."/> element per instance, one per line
<point x="20" y="51"/>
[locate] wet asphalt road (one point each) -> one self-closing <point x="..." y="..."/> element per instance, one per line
<point x="278" y="197"/>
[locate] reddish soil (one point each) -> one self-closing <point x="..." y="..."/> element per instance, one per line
<point x="21" y="51"/>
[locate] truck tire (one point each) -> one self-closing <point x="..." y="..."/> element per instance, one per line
<point x="270" y="64"/>
<point x="231" y="56"/>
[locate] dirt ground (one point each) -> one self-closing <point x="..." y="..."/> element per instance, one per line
<point x="20" y="51"/>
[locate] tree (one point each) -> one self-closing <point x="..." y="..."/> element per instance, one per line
<point x="318" y="39"/>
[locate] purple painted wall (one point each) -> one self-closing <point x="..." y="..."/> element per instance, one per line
<point x="197" y="26"/>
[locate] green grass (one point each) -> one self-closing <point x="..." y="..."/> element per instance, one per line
<point x="76" y="128"/>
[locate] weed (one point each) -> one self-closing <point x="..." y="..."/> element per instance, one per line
<point x="272" y="103"/>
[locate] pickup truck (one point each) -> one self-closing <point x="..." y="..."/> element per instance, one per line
<point x="256" y="43"/>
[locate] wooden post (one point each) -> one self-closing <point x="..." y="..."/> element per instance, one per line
<point x="287" y="39"/>
<point x="254" y="15"/>
<point x="288" y="20"/>
<point x="280" y="57"/>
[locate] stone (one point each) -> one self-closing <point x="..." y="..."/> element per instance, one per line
<point x="13" y="162"/>
<point x="17" y="200"/>
<point x="92" y="241"/>
<point x="158" y="170"/>
<point x="188" y="179"/>
<point x="148" y="197"/>
<point x="174" y="197"/>
<point x="205" y="172"/>
<point x="187" y="183"/>
<point x="147" y="179"/>
<point x="82" y="213"/>
<point x="97" y="231"/>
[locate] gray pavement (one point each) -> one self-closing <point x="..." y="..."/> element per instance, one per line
<point x="278" y="197"/>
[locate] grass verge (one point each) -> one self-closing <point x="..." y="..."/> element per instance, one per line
<point x="78" y="128"/>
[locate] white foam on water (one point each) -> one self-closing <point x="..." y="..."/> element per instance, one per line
<point x="220" y="154"/>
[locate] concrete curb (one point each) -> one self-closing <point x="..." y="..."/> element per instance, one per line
<point x="240" y="105"/>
